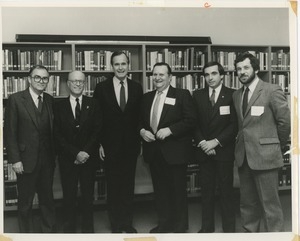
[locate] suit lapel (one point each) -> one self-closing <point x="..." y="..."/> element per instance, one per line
<point x="149" y="104"/>
<point x="84" y="109"/>
<point x="255" y="95"/>
<point x="166" y="107"/>
<point x="112" y="95"/>
<point x="130" y="94"/>
<point x="218" y="103"/>
<point x="30" y="107"/>
<point x="238" y="103"/>
<point x="49" y="109"/>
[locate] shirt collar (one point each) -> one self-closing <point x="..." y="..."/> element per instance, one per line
<point x="165" y="91"/>
<point x="73" y="98"/>
<point x="253" y="85"/>
<point x="217" y="90"/>
<point x="35" y="95"/>
<point x="117" y="81"/>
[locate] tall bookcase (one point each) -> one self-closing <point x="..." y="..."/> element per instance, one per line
<point x="186" y="60"/>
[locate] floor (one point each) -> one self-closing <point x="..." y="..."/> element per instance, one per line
<point x="145" y="216"/>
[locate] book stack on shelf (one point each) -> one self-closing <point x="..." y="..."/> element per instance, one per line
<point x="96" y="60"/>
<point x="186" y="60"/>
<point x="23" y="60"/>
<point x="193" y="179"/>
<point x="100" y="187"/>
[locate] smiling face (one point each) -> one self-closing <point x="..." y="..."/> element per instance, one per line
<point x="76" y="80"/>
<point x="120" y="66"/>
<point x="212" y="76"/>
<point x="245" y="72"/>
<point x="161" y="77"/>
<point x="38" y="87"/>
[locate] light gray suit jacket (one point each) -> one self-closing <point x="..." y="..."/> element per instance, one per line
<point x="265" y="128"/>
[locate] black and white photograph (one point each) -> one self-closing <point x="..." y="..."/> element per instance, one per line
<point x="149" y="120"/>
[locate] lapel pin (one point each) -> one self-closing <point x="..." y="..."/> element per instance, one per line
<point x="87" y="107"/>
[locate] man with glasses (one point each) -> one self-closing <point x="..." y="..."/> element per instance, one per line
<point x="77" y="126"/>
<point x="30" y="147"/>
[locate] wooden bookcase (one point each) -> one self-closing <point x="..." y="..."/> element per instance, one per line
<point x="186" y="60"/>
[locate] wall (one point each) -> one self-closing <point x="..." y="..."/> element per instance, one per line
<point x="233" y="26"/>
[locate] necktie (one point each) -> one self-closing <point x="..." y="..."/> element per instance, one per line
<point x="122" y="96"/>
<point x="245" y="100"/>
<point x="77" y="111"/>
<point x="40" y="103"/>
<point x="154" y="120"/>
<point x="212" y="98"/>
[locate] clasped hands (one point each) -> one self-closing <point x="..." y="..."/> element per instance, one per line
<point x="81" y="158"/>
<point x="208" y="146"/>
<point x="161" y="134"/>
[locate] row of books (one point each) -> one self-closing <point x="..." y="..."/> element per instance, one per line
<point x="91" y="60"/>
<point x="190" y="82"/>
<point x="23" y="60"/>
<point x="226" y="59"/>
<point x="195" y="81"/>
<point x="9" y="173"/>
<point x="279" y="59"/>
<point x="188" y="59"/>
<point x="11" y="194"/>
<point x="283" y="80"/>
<point x="284" y="176"/>
<point x="12" y="84"/>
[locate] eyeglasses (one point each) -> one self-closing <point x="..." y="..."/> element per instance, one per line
<point x="77" y="82"/>
<point x="39" y="79"/>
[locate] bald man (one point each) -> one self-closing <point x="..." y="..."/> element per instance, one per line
<point x="77" y="127"/>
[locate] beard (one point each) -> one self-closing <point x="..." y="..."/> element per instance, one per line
<point x="248" y="80"/>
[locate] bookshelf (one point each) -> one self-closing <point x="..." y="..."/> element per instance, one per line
<point x="185" y="58"/>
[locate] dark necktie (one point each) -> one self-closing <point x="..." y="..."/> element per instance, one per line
<point x="122" y="96"/>
<point x="212" y="98"/>
<point x="245" y="100"/>
<point x="40" y="103"/>
<point x="154" y="119"/>
<point x="77" y="111"/>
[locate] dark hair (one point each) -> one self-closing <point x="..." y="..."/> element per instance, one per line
<point x="213" y="63"/>
<point x="117" y="53"/>
<point x="253" y="60"/>
<point x="163" y="64"/>
<point x="37" y="67"/>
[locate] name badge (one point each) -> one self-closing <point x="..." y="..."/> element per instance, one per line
<point x="170" y="101"/>
<point x="257" y="110"/>
<point x="225" y="110"/>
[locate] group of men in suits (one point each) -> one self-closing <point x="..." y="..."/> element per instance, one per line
<point x="250" y="125"/>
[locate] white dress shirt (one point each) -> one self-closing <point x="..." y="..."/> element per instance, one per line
<point x="35" y="97"/>
<point x="74" y="103"/>
<point x="161" y="103"/>
<point x="117" y="87"/>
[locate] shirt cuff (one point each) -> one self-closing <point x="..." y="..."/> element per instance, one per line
<point x="218" y="142"/>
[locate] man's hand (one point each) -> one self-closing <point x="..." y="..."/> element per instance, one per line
<point x="163" y="133"/>
<point x="101" y="153"/>
<point x="206" y="146"/>
<point x="211" y="152"/>
<point x="147" y="135"/>
<point x="18" y="167"/>
<point x="82" y="157"/>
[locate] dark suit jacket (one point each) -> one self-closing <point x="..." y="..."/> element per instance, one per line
<point x="71" y="140"/>
<point x="181" y="120"/>
<point x="264" y="132"/>
<point x="218" y="122"/>
<point x="21" y="129"/>
<point x="120" y="129"/>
